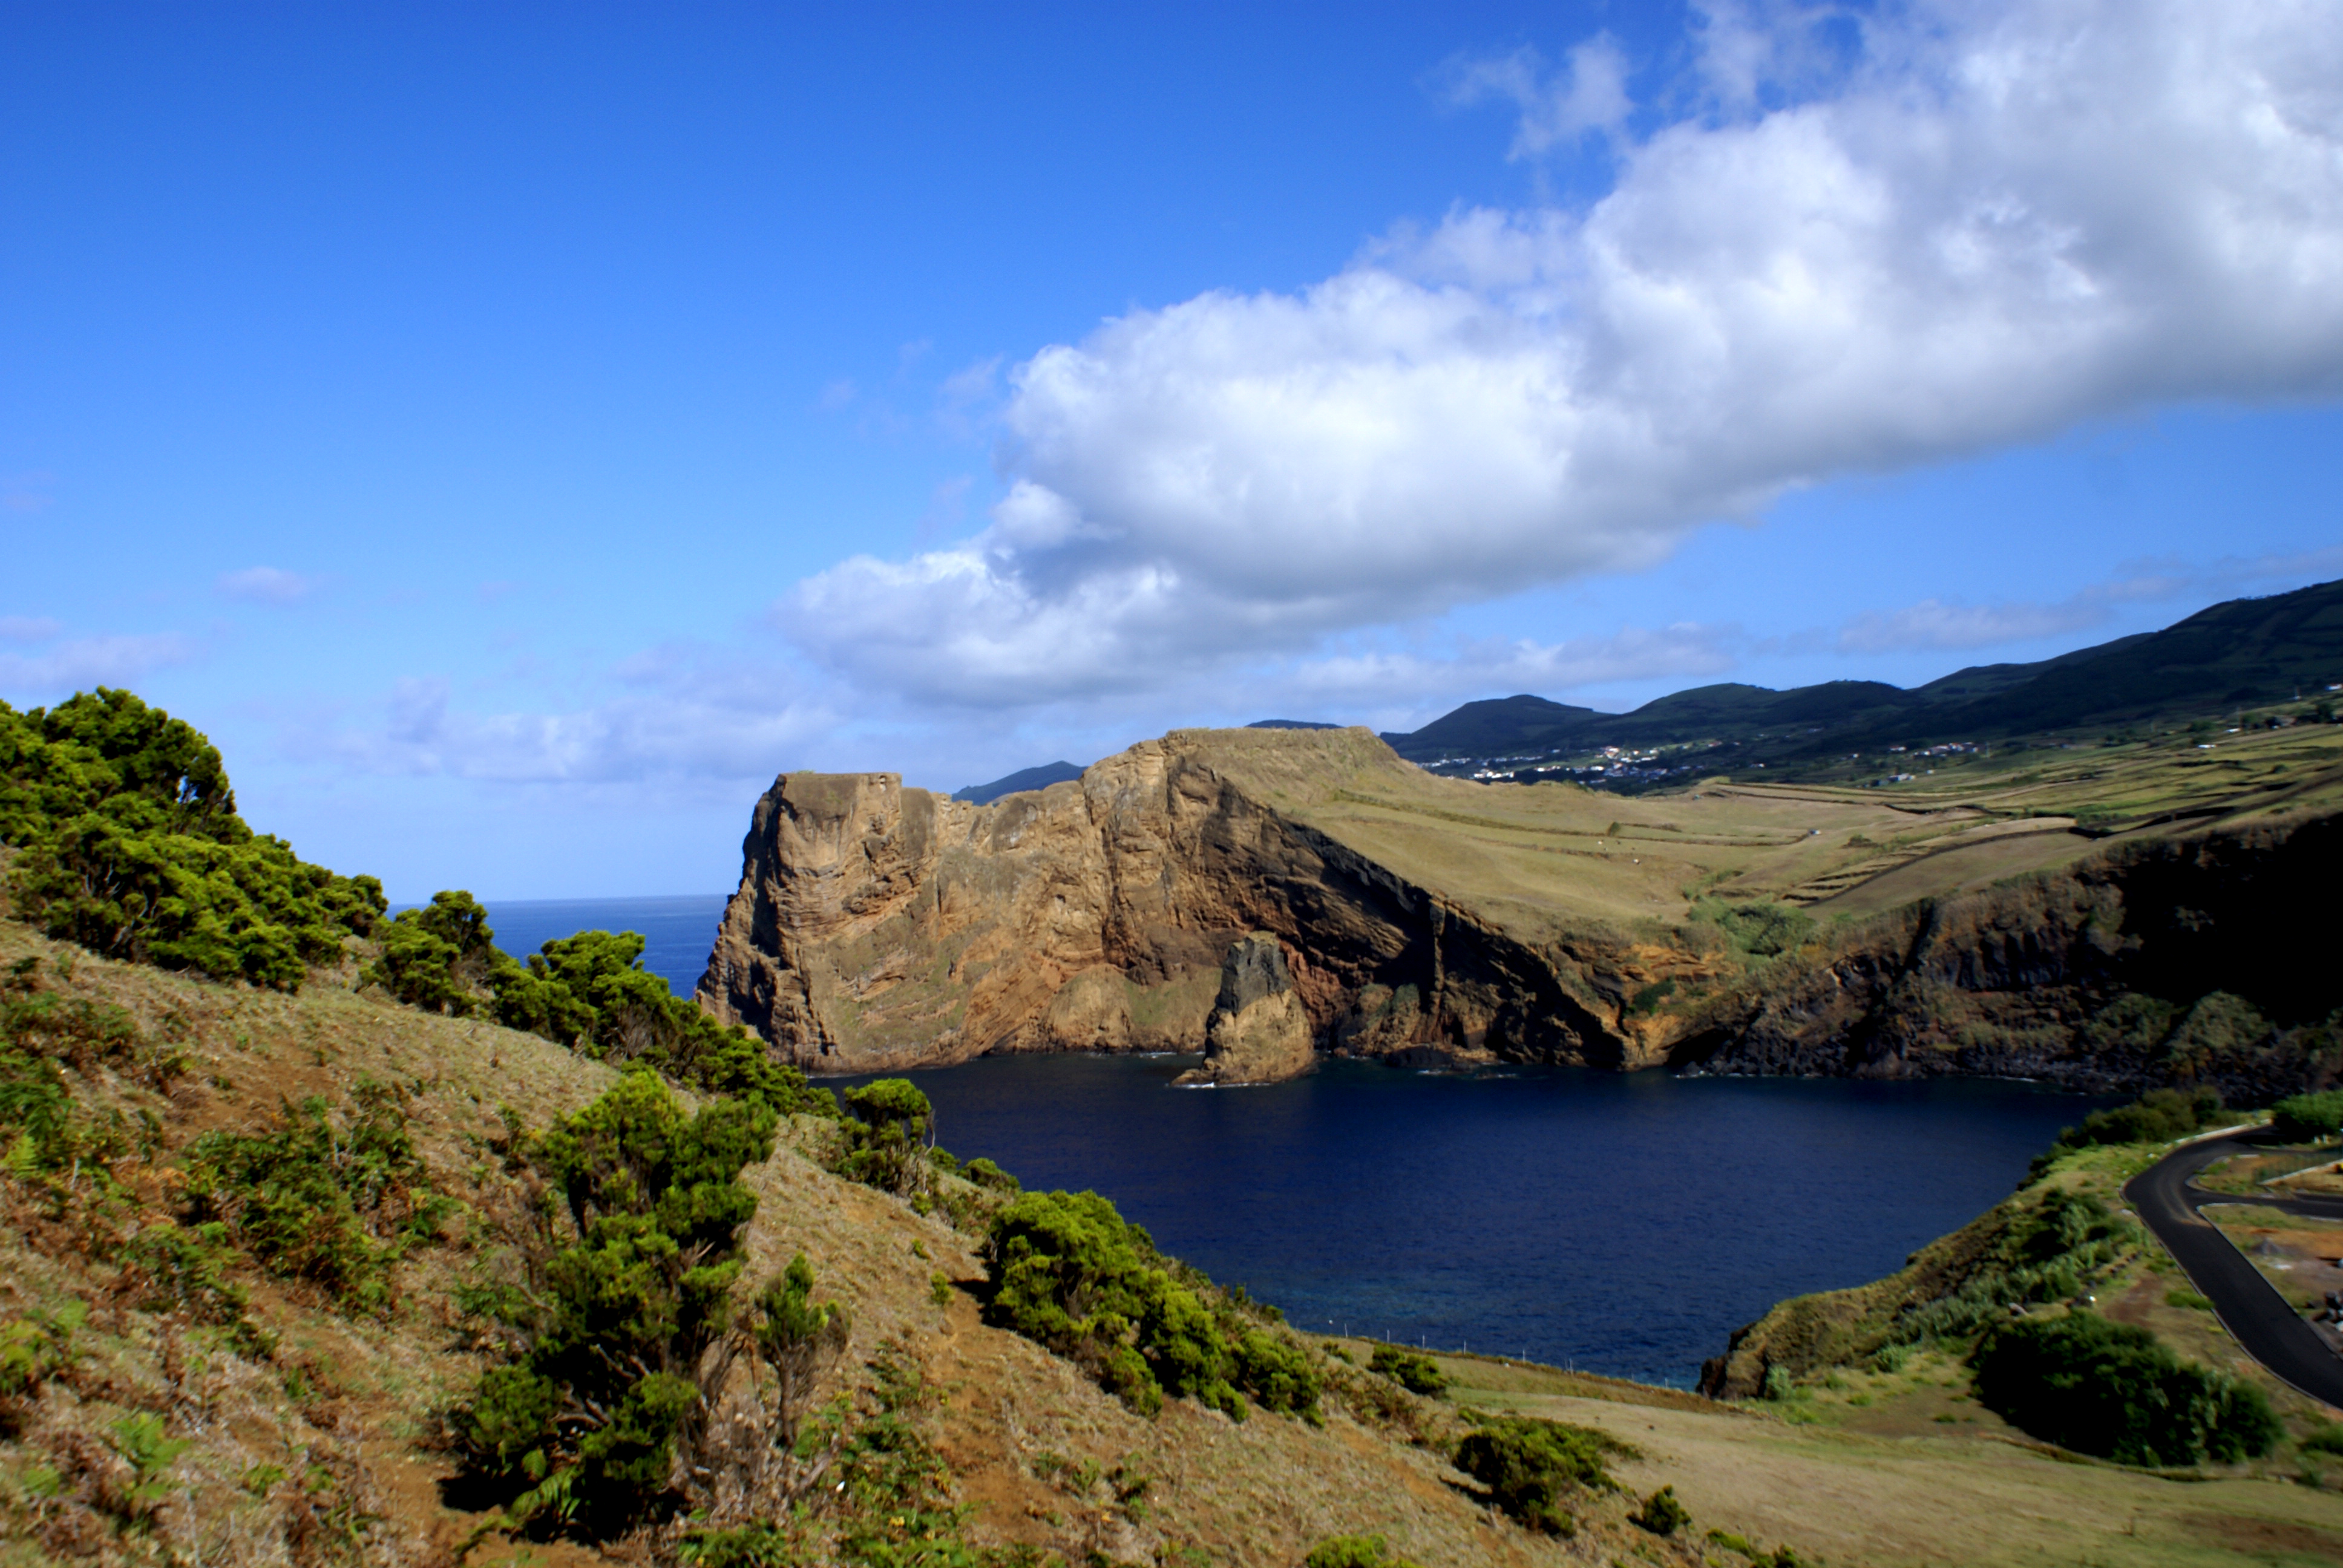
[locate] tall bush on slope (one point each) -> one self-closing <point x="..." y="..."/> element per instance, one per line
<point x="128" y="843"/>
<point x="2110" y="1389"/>
<point x="619" y="1337"/>
<point x="1068" y="1271"/>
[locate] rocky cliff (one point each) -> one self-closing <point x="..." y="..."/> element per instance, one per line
<point x="1432" y="921"/>
<point x="878" y="927"/>
<point x="2206" y="957"/>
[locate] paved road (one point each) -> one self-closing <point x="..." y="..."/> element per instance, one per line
<point x="2261" y="1321"/>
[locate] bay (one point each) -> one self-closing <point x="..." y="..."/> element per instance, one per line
<point x="1622" y="1223"/>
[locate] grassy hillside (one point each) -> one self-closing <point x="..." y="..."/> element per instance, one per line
<point x="1551" y="856"/>
<point x="241" y="1412"/>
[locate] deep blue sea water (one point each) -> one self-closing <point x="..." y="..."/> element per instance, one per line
<point x="678" y="931"/>
<point x="1622" y="1223"/>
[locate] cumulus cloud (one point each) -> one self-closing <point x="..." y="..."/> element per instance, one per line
<point x="1986" y="224"/>
<point x="266" y="585"/>
<point x="79" y="663"/>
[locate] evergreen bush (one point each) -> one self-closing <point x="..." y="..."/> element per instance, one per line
<point x="128" y="843"/>
<point x="2308" y="1117"/>
<point x="2111" y="1389"/>
<point x="1532" y="1467"/>
<point x="619" y="1334"/>
<point x="1069" y="1272"/>
<point x="1416" y="1373"/>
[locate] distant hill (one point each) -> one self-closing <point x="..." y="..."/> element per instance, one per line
<point x="2239" y="654"/>
<point x="1290" y="724"/>
<point x="1040" y="778"/>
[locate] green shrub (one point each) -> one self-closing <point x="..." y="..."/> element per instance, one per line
<point x="333" y="1201"/>
<point x="1416" y="1373"/>
<point x="1532" y="1466"/>
<point x="2110" y="1389"/>
<point x="1354" y="1552"/>
<point x="34" y="1348"/>
<point x="581" y="1426"/>
<point x="2157" y="1116"/>
<point x="796" y="1337"/>
<point x="587" y="991"/>
<point x="985" y="1173"/>
<point x="889" y="1130"/>
<point x="1662" y="1514"/>
<point x="129" y="844"/>
<point x="45" y="1132"/>
<point x="1763" y="930"/>
<point x="1069" y="1272"/>
<point x="2308" y="1117"/>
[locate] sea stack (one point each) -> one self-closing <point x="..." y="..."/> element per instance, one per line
<point x="1259" y="1032"/>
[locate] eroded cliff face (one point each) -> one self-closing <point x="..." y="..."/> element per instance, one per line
<point x="1259" y="1032"/>
<point x="2205" y="958"/>
<point x="878" y="927"/>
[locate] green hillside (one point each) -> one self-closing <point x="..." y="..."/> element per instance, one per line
<point x="2242" y="655"/>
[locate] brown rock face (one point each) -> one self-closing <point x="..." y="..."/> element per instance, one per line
<point x="1258" y="1032"/>
<point x="878" y="927"/>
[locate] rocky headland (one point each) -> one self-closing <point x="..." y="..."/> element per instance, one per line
<point x="1430" y="921"/>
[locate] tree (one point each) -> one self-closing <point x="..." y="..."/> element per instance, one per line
<point x="621" y="1347"/>
<point x="129" y="844"/>
<point x="893" y="1128"/>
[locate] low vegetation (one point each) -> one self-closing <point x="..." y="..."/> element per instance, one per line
<point x="587" y="991"/>
<point x="334" y="1199"/>
<point x="1415" y="1372"/>
<point x="2110" y="1389"/>
<point x="1068" y="1271"/>
<point x="2308" y="1117"/>
<point x="1533" y="1467"/>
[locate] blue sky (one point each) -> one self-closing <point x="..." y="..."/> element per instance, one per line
<point x="516" y="436"/>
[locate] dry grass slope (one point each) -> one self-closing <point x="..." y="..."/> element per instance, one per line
<point x="327" y="1451"/>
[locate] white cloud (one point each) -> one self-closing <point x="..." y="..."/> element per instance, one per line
<point x="267" y="585"/>
<point x="80" y="663"/>
<point x="1975" y="224"/>
<point x="679" y="713"/>
<point x="1421" y="683"/>
<point x="1933" y="624"/>
<point x="27" y="629"/>
<point x="1588" y="93"/>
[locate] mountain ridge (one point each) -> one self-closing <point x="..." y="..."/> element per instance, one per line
<point x="2243" y="652"/>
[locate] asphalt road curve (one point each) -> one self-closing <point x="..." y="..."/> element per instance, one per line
<point x="2261" y="1321"/>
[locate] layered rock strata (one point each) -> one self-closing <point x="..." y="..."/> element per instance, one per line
<point x="880" y="926"/>
<point x="1258" y="1032"/>
<point x="2201" y="959"/>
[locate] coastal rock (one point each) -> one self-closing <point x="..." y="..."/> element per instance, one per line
<point x="878" y="927"/>
<point x="1258" y="1032"/>
<point x="1434" y="923"/>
